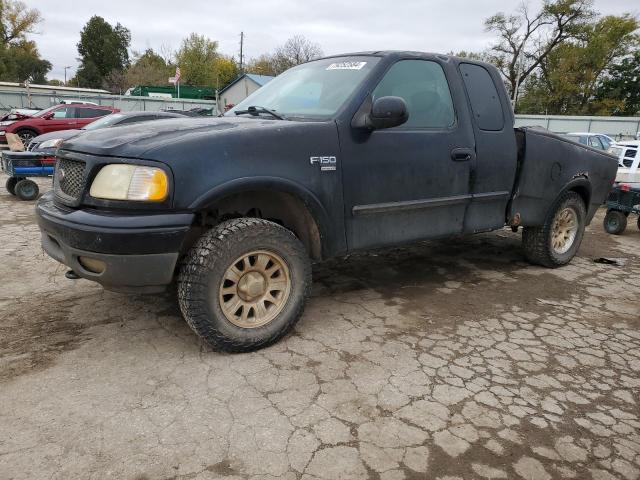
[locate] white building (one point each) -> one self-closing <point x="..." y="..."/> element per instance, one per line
<point x="241" y="88"/>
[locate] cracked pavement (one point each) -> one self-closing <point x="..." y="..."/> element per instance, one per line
<point x="443" y="360"/>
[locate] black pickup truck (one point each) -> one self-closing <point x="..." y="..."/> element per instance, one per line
<point x="341" y="154"/>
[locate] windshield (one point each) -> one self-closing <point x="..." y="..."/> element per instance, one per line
<point x="41" y="113"/>
<point x="313" y="90"/>
<point x="105" y="121"/>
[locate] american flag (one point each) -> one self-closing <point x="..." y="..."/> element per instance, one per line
<point x="177" y="74"/>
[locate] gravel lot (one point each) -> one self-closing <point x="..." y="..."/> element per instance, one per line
<point x="445" y="360"/>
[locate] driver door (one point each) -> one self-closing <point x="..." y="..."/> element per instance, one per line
<point x="409" y="182"/>
<point x="63" y="118"/>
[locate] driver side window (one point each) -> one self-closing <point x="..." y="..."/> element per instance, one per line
<point x="423" y="86"/>
<point x="66" y="112"/>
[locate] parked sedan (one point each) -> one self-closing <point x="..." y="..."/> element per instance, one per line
<point x="49" y="142"/>
<point x="58" y="117"/>
<point x="595" y="140"/>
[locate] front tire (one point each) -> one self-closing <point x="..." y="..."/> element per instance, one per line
<point x="243" y="285"/>
<point x="556" y="242"/>
<point x="26" y="135"/>
<point x="615" y="222"/>
<point x="27" y="189"/>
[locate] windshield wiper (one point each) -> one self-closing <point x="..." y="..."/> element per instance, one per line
<point x="256" y="110"/>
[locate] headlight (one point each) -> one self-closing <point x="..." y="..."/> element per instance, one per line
<point x="130" y="182"/>
<point x="2" y="132"/>
<point x="53" y="143"/>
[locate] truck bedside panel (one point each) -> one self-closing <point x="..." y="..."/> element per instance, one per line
<point x="549" y="165"/>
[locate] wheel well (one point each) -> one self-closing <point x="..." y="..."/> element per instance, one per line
<point x="584" y="194"/>
<point x="279" y="207"/>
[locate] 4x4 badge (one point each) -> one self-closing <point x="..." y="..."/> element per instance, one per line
<point x="327" y="164"/>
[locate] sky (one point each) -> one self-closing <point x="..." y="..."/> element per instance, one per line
<point x="339" y="26"/>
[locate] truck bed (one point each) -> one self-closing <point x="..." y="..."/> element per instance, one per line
<point x="548" y="165"/>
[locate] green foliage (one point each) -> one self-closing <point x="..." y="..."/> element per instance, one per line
<point x="103" y="49"/>
<point x="226" y="70"/>
<point x="621" y="89"/>
<point x="201" y="64"/>
<point x="19" y="57"/>
<point x="262" y="65"/>
<point x="526" y="39"/>
<point x="196" y="59"/>
<point x="148" y="68"/>
<point x="16" y="21"/>
<point x="569" y="77"/>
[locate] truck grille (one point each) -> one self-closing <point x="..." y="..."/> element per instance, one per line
<point x="69" y="179"/>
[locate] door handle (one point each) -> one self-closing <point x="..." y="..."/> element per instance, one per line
<point x="462" y="154"/>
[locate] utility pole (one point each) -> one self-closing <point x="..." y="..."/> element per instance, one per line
<point x="65" y="75"/>
<point x="241" y="57"/>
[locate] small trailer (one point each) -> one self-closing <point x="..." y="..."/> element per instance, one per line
<point x="623" y="200"/>
<point x="22" y="165"/>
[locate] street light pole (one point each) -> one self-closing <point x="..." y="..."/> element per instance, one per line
<point x="65" y="75"/>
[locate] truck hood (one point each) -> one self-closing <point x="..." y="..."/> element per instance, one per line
<point x="148" y="139"/>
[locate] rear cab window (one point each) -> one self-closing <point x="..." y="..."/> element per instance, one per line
<point x="483" y="96"/>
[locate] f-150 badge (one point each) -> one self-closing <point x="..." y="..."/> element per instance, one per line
<point x="327" y="164"/>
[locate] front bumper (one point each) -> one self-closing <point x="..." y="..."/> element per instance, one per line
<point x="138" y="252"/>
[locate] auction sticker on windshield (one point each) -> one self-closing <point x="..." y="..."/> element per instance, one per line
<point x="346" y="66"/>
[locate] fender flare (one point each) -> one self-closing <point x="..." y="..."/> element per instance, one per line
<point x="581" y="182"/>
<point x="276" y="184"/>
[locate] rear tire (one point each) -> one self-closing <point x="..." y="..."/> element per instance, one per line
<point x="638" y="222"/>
<point x="615" y="222"/>
<point x="556" y="242"/>
<point x="10" y="184"/>
<point x="243" y="285"/>
<point x="27" y="189"/>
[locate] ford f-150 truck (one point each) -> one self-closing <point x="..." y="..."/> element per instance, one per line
<point x="336" y="155"/>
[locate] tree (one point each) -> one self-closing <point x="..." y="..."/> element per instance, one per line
<point x="622" y="86"/>
<point x="295" y="51"/>
<point x="16" y="21"/>
<point x="226" y="70"/>
<point x="196" y="59"/>
<point x="263" y="65"/>
<point x="27" y="64"/>
<point x="526" y="39"/>
<point x="103" y="49"/>
<point x="148" y="68"/>
<point x="569" y="77"/>
<point x="19" y="57"/>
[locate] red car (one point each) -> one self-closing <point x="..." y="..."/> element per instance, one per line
<point x="58" y="117"/>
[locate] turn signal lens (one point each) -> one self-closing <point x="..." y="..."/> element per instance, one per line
<point x="130" y="182"/>
<point x="149" y="184"/>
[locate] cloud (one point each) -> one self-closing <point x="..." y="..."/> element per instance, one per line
<point x="338" y="26"/>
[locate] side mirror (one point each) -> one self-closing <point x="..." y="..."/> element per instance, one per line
<point x="386" y="112"/>
<point x="48" y="116"/>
